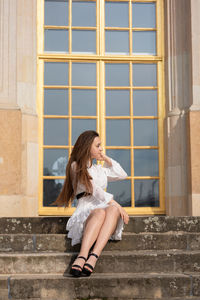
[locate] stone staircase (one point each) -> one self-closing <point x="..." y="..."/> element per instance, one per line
<point x="158" y="258"/>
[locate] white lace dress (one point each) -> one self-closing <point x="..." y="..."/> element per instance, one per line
<point x="99" y="199"/>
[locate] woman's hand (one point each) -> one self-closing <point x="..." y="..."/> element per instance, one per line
<point x="106" y="159"/>
<point x="123" y="213"/>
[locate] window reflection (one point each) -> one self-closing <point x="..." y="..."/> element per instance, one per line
<point x="144" y="15"/>
<point x="83" y="102"/>
<point x="83" y="13"/>
<point x="56" y="40"/>
<point x="117" y="42"/>
<point x="121" y="191"/>
<point x="56" y="12"/>
<point x="55" y="161"/>
<point x="51" y="190"/>
<point x="144" y="42"/>
<point x="84" y="74"/>
<point x="117" y="103"/>
<point x="55" y="73"/>
<point x="55" y="132"/>
<point x="145" y="75"/>
<point x="55" y="102"/>
<point x="84" y="41"/>
<point x="116" y="14"/>
<point x="145" y="132"/>
<point x="146" y="193"/>
<point x="145" y="103"/>
<point x="146" y="162"/>
<point x="118" y="132"/>
<point x="117" y="74"/>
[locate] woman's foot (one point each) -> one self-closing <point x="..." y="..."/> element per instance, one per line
<point x="77" y="266"/>
<point x="90" y="264"/>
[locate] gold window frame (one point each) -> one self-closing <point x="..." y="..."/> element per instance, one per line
<point x="100" y="58"/>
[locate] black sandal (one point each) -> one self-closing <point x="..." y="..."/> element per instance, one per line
<point x="86" y="271"/>
<point x="75" y="272"/>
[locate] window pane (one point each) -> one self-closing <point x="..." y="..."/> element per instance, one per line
<point x="79" y="126"/>
<point x="116" y="14"/>
<point x="117" y="42"/>
<point x="117" y="74"/>
<point x="84" y="102"/>
<point x="51" y="190"/>
<point x="146" y="193"/>
<point x="83" y="13"/>
<point x="84" y="41"/>
<point x="55" y="73"/>
<point x="56" y="12"/>
<point x="121" y="191"/>
<point x="145" y="102"/>
<point x="145" y="75"/>
<point x="144" y="15"/>
<point x="122" y="157"/>
<point x="84" y="74"/>
<point x="56" y="40"/>
<point x="144" y="42"/>
<point x="55" y="102"/>
<point x="55" y="161"/>
<point x="145" y="132"/>
<point x="146" y="162"/>
<point x="117" y="103"/>
<point x="55" y="132"/>
<point x="118" y="133"/>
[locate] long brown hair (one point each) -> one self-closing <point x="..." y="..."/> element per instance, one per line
<point x="81" y="155"/>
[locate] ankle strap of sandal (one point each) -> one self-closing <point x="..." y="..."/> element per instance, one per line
<point x="82" y="257"/>
<point x="93" y="255"/>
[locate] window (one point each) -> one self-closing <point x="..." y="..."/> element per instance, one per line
<point x="100" y="66"/>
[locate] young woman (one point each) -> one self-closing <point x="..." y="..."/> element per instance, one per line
<point x="98" y="217"/>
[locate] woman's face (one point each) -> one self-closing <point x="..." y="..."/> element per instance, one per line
<point x="96" y="149"/>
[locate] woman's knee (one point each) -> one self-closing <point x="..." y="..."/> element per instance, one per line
<point x="99" y="213"/>
<point x="112" y="209"/>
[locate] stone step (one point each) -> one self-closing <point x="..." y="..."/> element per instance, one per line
<point x="115" y="261"/>
<point x="130" y="241"/>
<point x="102" y="286"/>
<point x="57" y="225"/>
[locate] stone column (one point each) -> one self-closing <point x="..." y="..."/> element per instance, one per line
<point x="178" y="98"/>
<point x="18" y="117"/>
<point x="194" y="113"/>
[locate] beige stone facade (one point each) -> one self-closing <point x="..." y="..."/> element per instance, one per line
<point x="19" y="148"/>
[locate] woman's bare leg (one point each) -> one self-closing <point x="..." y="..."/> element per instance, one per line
<point x="92" y="228"/>
<point x="108" y="227"/>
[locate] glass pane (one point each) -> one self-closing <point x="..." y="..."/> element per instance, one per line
<point x="117" y="74"/>
<point x="145" y="103"/>
<point x="117" y="103"/>
<point x="55" y="161"/>
<point x="51" y="190"/>
<point x="56" y="12"/>
<point x="146" y="193"/>
<point x="56" y="40"/>
<point x="144" y="42"/>
<point x="146" y="162"/>
<point x="145" y="132"/>
<point x="118" y="133"/>
<point x="79" y="126"/>
<point x="121" y="191"/>
<point x="55" y="102"/>
<point x="83" y="13"/>
<point x="144" y="15"/>
<point x="116" y="14"/>
<point x="55" y="132"/>
<point x="117" y="42"/>
<point x="55" y="73"/>
<point x="84" y="74"/>
<point x="84" y="102"/>
<point x="145" y="75"/>
<point x="122" y="157"/>
<point x="84" y="41"/>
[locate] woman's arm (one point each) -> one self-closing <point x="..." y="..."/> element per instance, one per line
<point x="123" y="213"/>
